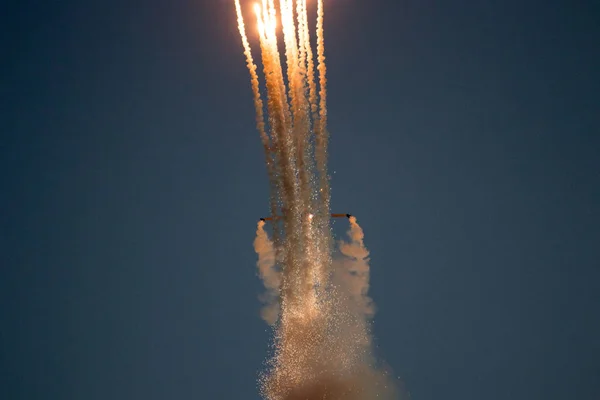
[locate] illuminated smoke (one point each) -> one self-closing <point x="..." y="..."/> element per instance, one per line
<point x="319" y="306"/>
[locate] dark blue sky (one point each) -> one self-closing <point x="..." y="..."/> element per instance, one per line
<point x="464" y="136"/>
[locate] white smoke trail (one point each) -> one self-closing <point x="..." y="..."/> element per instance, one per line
<point x="355" y="269"/>
<point x="322" y="67"/>
<point x="322" y="134"/>
<point x="271" y="278"/>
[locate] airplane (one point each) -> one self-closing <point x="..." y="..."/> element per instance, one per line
<point x="265" y="219"/>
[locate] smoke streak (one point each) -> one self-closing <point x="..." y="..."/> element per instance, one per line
<point x="322" y="135"/>
<point x="319" y="307"/>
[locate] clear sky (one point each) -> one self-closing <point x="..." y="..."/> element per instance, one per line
<point x="464" y="137"/>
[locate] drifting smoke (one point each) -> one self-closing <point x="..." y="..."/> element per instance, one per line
<point x="270" y="276"/>
<point x="353" y="270"/>
<point x="319" y="307"/>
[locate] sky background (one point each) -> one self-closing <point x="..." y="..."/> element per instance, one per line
<point x="464" y="137"/>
